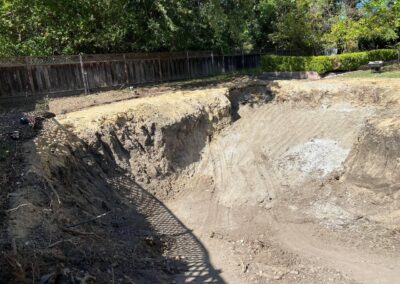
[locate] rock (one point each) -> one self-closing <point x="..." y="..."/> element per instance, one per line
<point x="294" y="272"/>
<point x="15" y="135"/>
<point x="23" y="121"/>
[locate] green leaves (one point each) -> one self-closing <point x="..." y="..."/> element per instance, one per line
<point x="325" y="64"/>
<point x="45" y="27"/>
<point x="376" y="21"/>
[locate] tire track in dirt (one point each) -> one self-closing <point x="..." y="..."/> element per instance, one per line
<point x="359" y="265"/>
<point x="243" y="161"/>
<point x="289" y="128"/>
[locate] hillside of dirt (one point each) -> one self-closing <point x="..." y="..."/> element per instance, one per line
<point x="247" y="182"/>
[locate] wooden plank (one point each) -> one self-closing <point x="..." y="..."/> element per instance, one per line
<point x="126" y="71"/>
<point x="47" y="79"/>
<point x="142" y="72"/>
<point x="83" y="74"/>
<point x="30" y="76"/>
<point x="37" y="78"/>
<point x="189" y="70"/>
<point x="98" y="71"/>
<point x="160" y="71"/>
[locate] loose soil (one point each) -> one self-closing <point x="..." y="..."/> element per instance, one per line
<point x="247" y="181"/>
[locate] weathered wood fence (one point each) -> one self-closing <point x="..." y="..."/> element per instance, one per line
<point x="28" y="76"/>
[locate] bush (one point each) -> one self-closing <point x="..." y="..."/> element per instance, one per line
<point x="351" y="61"/>
<point x="321" y="64"/>
<point x="324" y="64"/>
<point x="283" y="63"/>
<point x="382" y="54"/>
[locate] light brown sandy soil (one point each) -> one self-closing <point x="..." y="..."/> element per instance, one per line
<point x="265" y="182"/>
<point x="152" y="137"/>
<point x="303" y="191"/>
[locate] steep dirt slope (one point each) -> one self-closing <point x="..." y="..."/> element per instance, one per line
<point x="72" y="220"/>
<point x="154" y="138"/>
<point x="76" y="216"/>
<point x="375" y="161"/>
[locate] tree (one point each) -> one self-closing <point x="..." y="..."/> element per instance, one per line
<point x="301" y="24"/>
<point x="46" y="27"/>
<point x="376" y="21"/>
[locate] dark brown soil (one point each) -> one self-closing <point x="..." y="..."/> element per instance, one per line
<point x="74" y="217"/>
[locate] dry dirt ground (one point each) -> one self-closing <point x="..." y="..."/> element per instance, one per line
<point x="247" y="181"/>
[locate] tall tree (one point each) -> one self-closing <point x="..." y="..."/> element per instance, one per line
<point x="301" y="24"/>
<point x="43" y="27"/>
<point x="376" y="21"/>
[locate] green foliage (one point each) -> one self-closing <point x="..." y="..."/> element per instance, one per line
<point x="382" y="54"/>
<point x="324" y="64"/>
<point x="374" y="22"/>
<point x="284" y="63"/>
<point x="301" y="24"/>
<point x="47" y="27"/>
<point x="351" y="61"/>
<point x="321" y="64"/>
<point x="344" y="34"/>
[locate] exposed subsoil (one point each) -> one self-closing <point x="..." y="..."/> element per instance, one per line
<point x="243" y="182"/>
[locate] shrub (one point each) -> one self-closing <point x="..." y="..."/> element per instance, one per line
<point x="351" y="61"/>
<point x="321" y="64"/>
<point x="324" y="64"/>
<point x="382" y="54"/>
<point x="283" y="63"/>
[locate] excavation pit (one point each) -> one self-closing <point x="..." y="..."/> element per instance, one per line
<point x="258" y="182"/>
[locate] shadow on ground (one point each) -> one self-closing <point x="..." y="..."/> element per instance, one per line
<point x="181" y="243"/>
<point x="85" y="219"/>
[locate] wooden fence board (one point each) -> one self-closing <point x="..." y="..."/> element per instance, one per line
<point x="58" y="74"/>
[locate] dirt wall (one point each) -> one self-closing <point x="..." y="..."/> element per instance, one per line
<point x="157" y="137"/>
<point x="374" y="162"/>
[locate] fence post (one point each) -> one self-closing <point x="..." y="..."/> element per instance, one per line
<point x="242" y="59"/>
<point x="159" y="68"/>
<point x="29" y="71"/>
<point x="169" y="67"/>
<point x="223" y="62"/>
<point x="188" y="64"/>
<point x="212" y="62"/>
<point x="126" y="70"/>
<point x="83" y="74"/>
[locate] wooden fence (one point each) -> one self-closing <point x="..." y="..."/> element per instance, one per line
<point x="28" y="76"/>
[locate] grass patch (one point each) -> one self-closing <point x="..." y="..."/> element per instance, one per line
<point x="369" y="74"/>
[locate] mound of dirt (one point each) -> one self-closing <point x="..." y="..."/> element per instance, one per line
<point x="365" y="92"/>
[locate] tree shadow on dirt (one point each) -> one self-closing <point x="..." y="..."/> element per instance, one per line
<point x="86" y="220"/>
<point x="183" y="244"/>
<point x="180" y="242"/>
